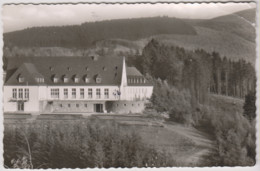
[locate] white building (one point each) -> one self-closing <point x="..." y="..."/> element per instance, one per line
<point x="74" y="85"/>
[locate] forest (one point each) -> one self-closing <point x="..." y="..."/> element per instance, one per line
<point x="193" y="88"/>
<point x="198" y="71"/>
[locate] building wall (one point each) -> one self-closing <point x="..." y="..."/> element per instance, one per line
<point x="138" y="92"/>
<point x="10" y="104"/>
<point x="70" y="106"/>
<point x="125" y="107"/>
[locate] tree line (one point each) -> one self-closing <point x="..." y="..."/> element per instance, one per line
<point x="198" y="71"/>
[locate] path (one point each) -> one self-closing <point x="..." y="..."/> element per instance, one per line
<point x="200" y="139"/>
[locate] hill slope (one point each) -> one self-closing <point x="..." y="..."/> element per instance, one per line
<point x="241" y="23"/>
<point x="232" y="36"/>
<point x="87" y="34"/>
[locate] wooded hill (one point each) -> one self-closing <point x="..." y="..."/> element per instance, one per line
<point x="86" y="34"/>
<point x="232" y="36"/>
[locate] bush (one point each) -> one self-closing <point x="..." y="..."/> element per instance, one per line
<point x="167" y="98"/>
<point x="234" y="135"/>
<point x="78" y="144"/>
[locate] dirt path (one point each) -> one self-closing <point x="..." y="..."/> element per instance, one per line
<point x="199" y="138"/>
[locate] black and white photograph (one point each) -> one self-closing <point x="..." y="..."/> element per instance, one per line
<point x="129" y="85"/>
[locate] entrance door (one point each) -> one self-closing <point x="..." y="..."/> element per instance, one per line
<point x="20" y="106"/>
<point x="98" y="108"/>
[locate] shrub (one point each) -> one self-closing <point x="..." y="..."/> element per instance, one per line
<point x="170" y="99"/>
<point x="78" y="144"/>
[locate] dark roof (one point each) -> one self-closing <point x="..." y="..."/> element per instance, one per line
<point x="28" y="72"/>
<point x="132" y="71"/>
<point x="46" y="67"/>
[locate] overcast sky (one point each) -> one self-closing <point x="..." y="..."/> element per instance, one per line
<point x="17" y="17"/>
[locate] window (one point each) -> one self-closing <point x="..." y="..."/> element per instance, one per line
<point x="82" y="93"/>
<point x="68" y="105"/>
<point x="86" y="80"/>
<point x="39" y="80"/>
<point x="14" y="93"/>
<point x="86" y="105"/>
<point x="55" y="93"/>
<point x="21" y="79"/>
<point x="26" y="93"/>
<point x="77" y="105"/>
<point x="106" y="93"/>
<point x="65" y="92"/>
<point x="55" y="80"/>
<point x="98" y="94"/>
<point x="20" y="91"/>
<point x="73" y="93"/>
<point x="60" y="105"/>
<point x="20" y="106"/>
<point x="90" y="93"/>
<point x="76" y="79"/>
<point x="98" y="80"/>
<point x="66" y="80"/>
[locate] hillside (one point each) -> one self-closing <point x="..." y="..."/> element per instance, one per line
<point x="230" y="45"/>
<point x="87" y="34"/>
<point x="232" y="36"/>
<point x="241" y="23"/>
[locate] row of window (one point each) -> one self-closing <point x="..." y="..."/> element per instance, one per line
<point x="38" y="80"/>
<point x="69" y="105"/>
<point x="136" y="80"/>
<point x="55" y="93"/>
<point x="76" y="80"/>
<point x="22" y="93"/>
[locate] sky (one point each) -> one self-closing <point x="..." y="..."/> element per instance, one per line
<point x="18" y="17"/>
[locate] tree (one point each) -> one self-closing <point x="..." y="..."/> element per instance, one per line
<point x="249" y="106"/>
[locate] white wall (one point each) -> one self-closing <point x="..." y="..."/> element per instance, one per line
<point x="32" y="105"/>
<point x="138" y="92"/>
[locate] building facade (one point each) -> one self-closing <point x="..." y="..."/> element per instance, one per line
<point x="90" y="84"/>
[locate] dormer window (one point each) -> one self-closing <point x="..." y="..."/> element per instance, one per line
<point x="55" y="78"/>
<point x="51" y="68"/>
<point x="65" y="79"/>
<point x="76" y="78"/>
<point x="98" y="79"/>
<point x="69" y="68"/>
<point x="21" y="79"/>
<point x="104" y="68"/>
<point x="87" y="68"/>
<point x="86" y="79"/>
<point x="94" y="58"/>
<point x="39" y="80"/>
